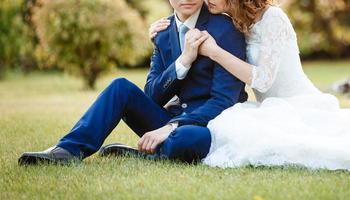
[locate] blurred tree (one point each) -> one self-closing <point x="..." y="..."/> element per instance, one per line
<point x="27" y="15"/>
<point x="323" y="27"/>
<point x="136" y="4"/>
<point x="16" y="48"/>
<point x="88" y="37"/>
<point x="150" y="10"/>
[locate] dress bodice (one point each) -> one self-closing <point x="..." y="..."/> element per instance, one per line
<point x="273" y="51"/>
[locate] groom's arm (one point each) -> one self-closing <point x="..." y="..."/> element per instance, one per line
<point x="162" y="81"/>
<point x="225" y="89"/>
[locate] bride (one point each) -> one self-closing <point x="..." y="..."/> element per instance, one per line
<point x="292" y="122"/>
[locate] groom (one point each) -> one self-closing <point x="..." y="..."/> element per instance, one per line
<point x="178" y="131"/>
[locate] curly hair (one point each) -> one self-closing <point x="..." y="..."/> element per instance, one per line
<point x="245" y="13"/>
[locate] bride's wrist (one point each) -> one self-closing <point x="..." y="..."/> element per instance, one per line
<point x="215" y="52"/>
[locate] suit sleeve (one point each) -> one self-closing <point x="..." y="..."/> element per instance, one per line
<point x="162" y="83"/>
<point x="226" y="88"/>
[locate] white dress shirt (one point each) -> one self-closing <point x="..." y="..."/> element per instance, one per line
<point x="181" y="70"/>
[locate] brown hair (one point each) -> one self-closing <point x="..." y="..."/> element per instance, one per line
<point x="244" y="13"/>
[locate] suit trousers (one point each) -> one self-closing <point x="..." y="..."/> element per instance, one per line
<point x="124" y="100"/>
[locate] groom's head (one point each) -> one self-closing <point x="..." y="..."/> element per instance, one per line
<point x="185" y="8"/>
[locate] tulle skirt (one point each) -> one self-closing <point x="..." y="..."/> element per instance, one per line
<point x="307" y="130"/>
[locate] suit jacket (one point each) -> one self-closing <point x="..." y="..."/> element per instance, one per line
<point x="208" y="89"/>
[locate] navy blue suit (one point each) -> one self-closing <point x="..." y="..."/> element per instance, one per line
<point x="204" y="93"/>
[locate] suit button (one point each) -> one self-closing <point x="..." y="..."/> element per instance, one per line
<point x="184" y="105"/>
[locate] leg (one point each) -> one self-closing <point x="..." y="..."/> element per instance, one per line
<point x="187" y="143"/>
<point x="120" y="99"/>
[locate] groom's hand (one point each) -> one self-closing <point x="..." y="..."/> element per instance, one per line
<point x="193" y="39"/>
<point x="150" y="140"/>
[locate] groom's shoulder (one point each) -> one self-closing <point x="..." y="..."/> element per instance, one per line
<point x="224" y="19"/>
<point x="221" y="23"/>
<point x="163" y="35"/>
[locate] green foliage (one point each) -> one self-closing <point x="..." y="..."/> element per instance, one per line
<point x="323" y="26"/>
<point x="151" y="10"/>
<point x="156" y="9"/>
<point x="16" y="47"/>
<point x="88" y="37"/>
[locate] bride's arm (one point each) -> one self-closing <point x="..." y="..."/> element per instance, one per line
<point x="231" y="63"/>
<point x="261" y="75"/>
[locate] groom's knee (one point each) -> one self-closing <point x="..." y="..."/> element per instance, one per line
<point x="122" y="84"/>
<point x="187" y="143"/>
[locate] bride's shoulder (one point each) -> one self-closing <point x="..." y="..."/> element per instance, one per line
<point x="275" y="13"/>
<point x="275" y="20"/>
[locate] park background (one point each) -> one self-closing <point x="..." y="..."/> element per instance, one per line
<point x="57" y="55"/>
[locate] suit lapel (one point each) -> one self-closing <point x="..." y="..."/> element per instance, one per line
<point x="203" y="18"/>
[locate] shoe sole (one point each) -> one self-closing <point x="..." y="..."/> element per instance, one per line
<point x="33" y="160"/>
<point x="26" y="160"/>
<point x="118" y="150"/>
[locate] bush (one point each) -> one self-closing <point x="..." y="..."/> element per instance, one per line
<point x="150" y="10"/>
<point x="323" y="27"/>
<point x="16" y="47"/>
<point x="88" y="37"/>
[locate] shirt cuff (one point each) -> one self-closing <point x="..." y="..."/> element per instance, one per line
<point x="181" y="70"/>
<point x="174" y="125"/>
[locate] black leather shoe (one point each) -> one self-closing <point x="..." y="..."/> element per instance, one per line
<point x="53" y="155"/>
<point x="118" y="149"/>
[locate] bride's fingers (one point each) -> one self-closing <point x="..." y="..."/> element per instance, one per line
<point x="153" y="35"/>
<point x="157" y="23"/>
<point x="160" y="23"/>
<point x="160" y="27"/>
<point x="192" y="35"/>
<point x="164" y="19"/>
<point x="196" y="37"/>
<point x="157" y="28"/>
<point x="205" y="32"/>
<point x="199" y="41"/>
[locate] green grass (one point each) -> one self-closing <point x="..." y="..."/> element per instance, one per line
<point x="35" y="111"/>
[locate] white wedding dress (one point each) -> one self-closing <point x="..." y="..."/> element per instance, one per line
<point x="293" y="123"/>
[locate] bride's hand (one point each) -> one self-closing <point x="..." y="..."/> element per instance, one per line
<point x="209" y="46"/>
<point x="158" y="26"/>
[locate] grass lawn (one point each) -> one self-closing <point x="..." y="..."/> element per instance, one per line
<point x="35" y="111"/>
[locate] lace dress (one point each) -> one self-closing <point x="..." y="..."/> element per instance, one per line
<point x="292" y="122"/>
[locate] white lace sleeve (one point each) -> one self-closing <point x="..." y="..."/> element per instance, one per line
<point x="275" y="30"/>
